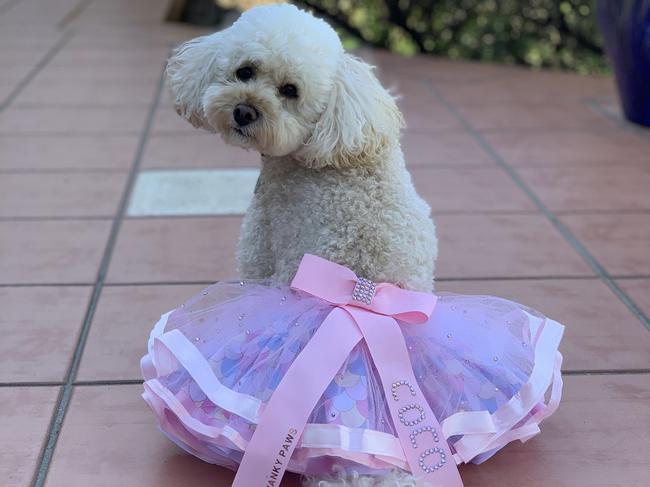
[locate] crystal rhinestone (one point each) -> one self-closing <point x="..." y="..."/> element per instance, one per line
<point x="495" y="358"/>
<point x="404" y="409"/>
<point x="436" y="466"/>
<point x="423" y="429"/>
<point x="197" y="339"/>
<point x="449" y="335"/>
<point x="364" y="291"/>
<point x="284" y="298"/>
<point x="400" y="383"/>
<point x="333" y="415"/>
<point x="248" y="332"/>
<point x="205" y="293"/>
<point x="241" y="316"/>
<point x="241" y="283"/>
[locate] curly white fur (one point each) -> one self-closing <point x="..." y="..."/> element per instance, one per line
<point x="333" y="180"/>
<point x="395" y="478"/>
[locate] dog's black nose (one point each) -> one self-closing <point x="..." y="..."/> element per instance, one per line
<point x="244" y="114"/>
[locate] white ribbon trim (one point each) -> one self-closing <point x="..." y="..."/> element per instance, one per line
<point x="248" y="407"/>
<point x="468" y="423"/>
<point x="148" y="364"/>
<point x="351" y="439"/>
<point x="531" y="393"/>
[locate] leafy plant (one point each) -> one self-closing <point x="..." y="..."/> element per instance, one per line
<point x="540" y="33"/>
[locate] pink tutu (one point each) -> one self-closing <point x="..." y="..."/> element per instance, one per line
<point x="483" y="364"/>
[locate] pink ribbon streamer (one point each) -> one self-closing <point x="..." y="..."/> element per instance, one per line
<point x="285" y="416"/>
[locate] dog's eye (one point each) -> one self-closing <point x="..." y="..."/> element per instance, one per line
<point x="288" y="90"/>
<point x="245" y="73"/>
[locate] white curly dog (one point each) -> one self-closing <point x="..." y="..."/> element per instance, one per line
<point x="333" y="181"/>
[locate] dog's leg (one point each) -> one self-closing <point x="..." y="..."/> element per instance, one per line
<point x="254" y="254"/>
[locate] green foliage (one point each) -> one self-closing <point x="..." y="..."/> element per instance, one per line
<point x="540" y="33"/>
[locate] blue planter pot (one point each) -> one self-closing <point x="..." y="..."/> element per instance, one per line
<point x="625" y="25"/>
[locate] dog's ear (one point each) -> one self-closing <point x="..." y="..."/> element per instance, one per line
<point x="189" y="72"/>
<point x="361" y="119"/>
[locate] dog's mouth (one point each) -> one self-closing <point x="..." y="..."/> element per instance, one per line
<point x="241" y="132"/>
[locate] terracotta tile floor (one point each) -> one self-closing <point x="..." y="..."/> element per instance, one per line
<point x="540" y="194"/>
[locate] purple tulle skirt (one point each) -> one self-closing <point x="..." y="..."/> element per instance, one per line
<point x="489" y="368"/>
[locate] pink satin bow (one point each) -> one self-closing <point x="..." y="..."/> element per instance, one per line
<point x="364" y="316"/>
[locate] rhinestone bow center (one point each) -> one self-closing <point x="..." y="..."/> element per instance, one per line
<point x="364" y="291"/>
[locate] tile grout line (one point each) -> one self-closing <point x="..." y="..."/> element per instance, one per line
<point x="108" y="382"/>
<point x="35" y="105"/>
<point x="595" y="106"/>
<point x="230" y="215"/>
<point x="441" y="279"/>
<point x="31" y="384"/>
<point x="598" y="109"/>
<point x="73" y="14"/>
<point x="208" y="283"/>
<point x="65" y="395"/>
<point x="582" y="372"/>
<point x="55" y="218"/>
<point x="517" y="278"/>
<point x="568" y="236"/>
<point x="57" y="170"/>
<point x="46" y="284"/>
<point x="177" y="133"/>
<point x="29" y="77"/>
<point x="67" y="134"/>
<point x="127" y="382"/>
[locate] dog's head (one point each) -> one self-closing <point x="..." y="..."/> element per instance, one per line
<point x="278" y="81"/>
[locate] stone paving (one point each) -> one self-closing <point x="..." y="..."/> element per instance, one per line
<point x="539" y="191"/>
